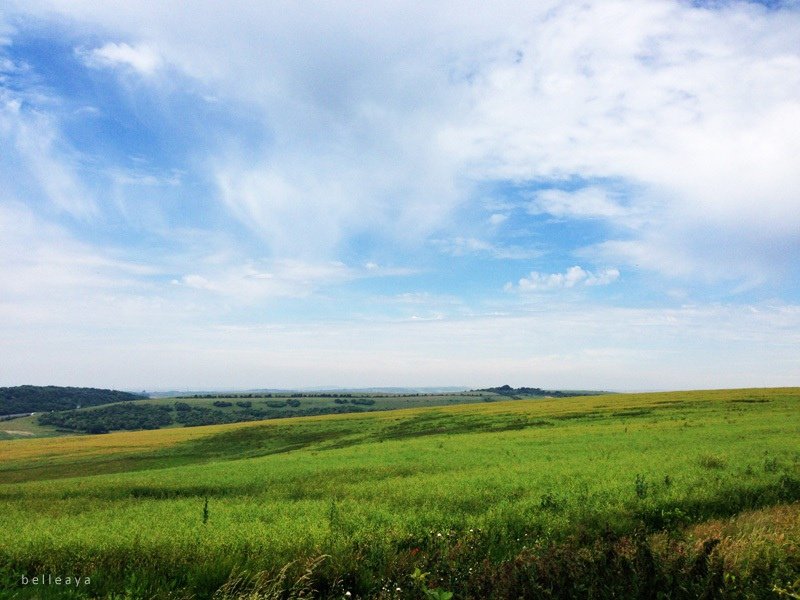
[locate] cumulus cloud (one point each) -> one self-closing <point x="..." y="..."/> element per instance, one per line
<point x="572" y="277"/>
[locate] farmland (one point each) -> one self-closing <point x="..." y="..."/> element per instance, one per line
<point x="685" y="493"/>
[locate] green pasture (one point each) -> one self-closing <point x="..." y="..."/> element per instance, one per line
<point x="25" y="427"/>
<point x="359" y="502"/>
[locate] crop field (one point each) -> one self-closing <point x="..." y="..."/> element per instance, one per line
<point x="672" y="495"/>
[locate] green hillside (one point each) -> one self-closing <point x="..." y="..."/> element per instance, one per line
<point x="682" y="495"/>
<point x="33" y="398"/>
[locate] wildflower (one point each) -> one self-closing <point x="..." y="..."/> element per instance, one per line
<point x="438" y="535"/>
<point x="347" y="594"/>
<point x="398" y="589"/>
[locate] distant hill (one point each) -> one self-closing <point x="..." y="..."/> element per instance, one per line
<point x="507" y="390"/>
<point x="306" y="390"/>
<point x="34" y="398"/>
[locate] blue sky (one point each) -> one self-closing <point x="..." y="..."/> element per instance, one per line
<point x="555" y="194"/>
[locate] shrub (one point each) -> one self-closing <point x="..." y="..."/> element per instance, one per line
<point x="641" y="486"/>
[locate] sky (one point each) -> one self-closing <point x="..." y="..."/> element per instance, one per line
<point x="566" y="195"/>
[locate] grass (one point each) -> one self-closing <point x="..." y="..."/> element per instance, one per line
<point x="500" y="499"/>
<point x="25" y="427"/>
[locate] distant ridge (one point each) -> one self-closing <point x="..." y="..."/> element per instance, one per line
<point x="507" y="390"/>
<point x="321" y="389"/>
<point x="34" y="398"/>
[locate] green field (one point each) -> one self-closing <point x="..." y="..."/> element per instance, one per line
<point x="679" y="494"/>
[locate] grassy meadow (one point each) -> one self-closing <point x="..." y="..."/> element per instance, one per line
<point x="671" y="495"/>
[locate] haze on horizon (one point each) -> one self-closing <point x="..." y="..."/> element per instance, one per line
<point x="566" y="195"/>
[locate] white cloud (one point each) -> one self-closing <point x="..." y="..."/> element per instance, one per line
<point x="254" y="281"/>
<point x="381" y="119"/>
<point x="698" y="110"/>
<point x="49" y="277"/>
<point x="423" y="298"/>
<point x="572" y="277"/>
<point x="35" y="162"/>
<point x="293" y="218"/>
<point x="583" y="203"/>
<point x="497" y="219"/>
<point x="140" y="177"/>
<point x="141" y="58"/>
<point x="464" y="246"/>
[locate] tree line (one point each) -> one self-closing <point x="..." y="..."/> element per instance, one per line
<point x="34" y="398"/>
<point x="119" y="417"/>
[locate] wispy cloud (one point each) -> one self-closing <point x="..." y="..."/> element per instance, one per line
<point x="586" y="202"/>
<point x="36" y="154"/>
<point x="465" y="246"/>
<point x="141" y="177"/>
<point x="141" y="58"/>
<point x="279" y="278"/>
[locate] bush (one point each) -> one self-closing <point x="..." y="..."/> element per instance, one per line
<point x="222" y="403"/>
<point x="363" y="401"/>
